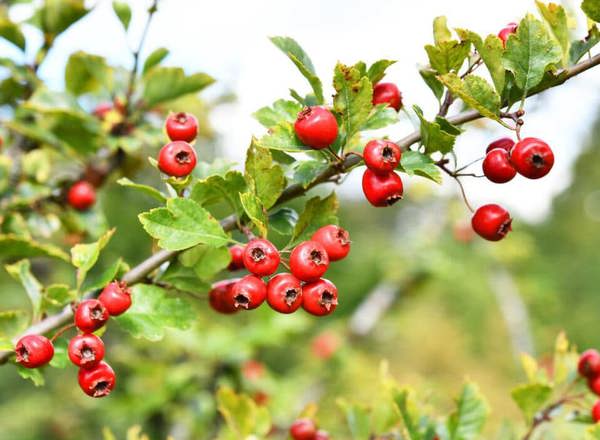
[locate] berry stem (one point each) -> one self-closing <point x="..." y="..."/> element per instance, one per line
<point x="62" y="330"/>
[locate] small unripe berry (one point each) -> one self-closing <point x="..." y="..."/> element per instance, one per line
<point x="316" y="127"/>
<point x="532" y="158"/>
<point x="237" y="257"/>
<point x="248" y="293"/>
<point x="219" y="298"/>
<point x="33" y="351"/>
<point x="303" y="429"/>
<point x="284" y="293"/>
<point x="98" y="381"/>
<point x="596" y="411"/>
<point x="491" y="222"/>
<point x="497" y="166"/>
<point x="382" y="156"/>
<point x="509" y="29"/>
<point x="86" y="351"/>
<point x="387" y="93"/>
<point x="309" y="261"/>
<point x="177" y="159"/>
<point x="505" y="143"/>
<point x="319" y="297"/>
<point x="382" y="189"/>
<point x="182" y="127"/>
<point x="261" y="257"/>
<point x="589" y="363"/>
<point x="116" y="297"/>
<point x="90" y="315"/>
<point x="82" y="195"/>
<point x="335" y="240"/>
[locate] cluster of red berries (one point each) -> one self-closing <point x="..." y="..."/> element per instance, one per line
<point x="284" y="292"/>
<point x="589" y="368"/>
<point x="86" y="350"/>
<point x="306" y="429"/>
<point x="178" y="158"/>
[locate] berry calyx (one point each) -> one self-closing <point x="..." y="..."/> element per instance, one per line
<point x="491" y="222"/>
<point x="177" y="159"/>
<point x="505" y="143"/>
<point x="116" y="297"/>
<point x="319" y="297"/>
<point x="248" y="293"/>
<point x="316" y="127"/>
<point x="309" y="261"/>
<point x="387" y="93"/>
<point x="335" y="240"/>
<point x="506" y="31"/>
<point x="98" y="381"/>
<point x="33" y="351"/>
<point x="90" y="315"/>
<point x="589" y="363"/>
<point x="532" y="158"/>
<point x="219" y="298"/>
<point x="596" y="411"/>
<point x="382" y="189"/>
<point x="303" y="429"/>
<point x="237" y="257"/>
<point x="284" y="293"/>
<point x="82" y="195"/>
<point x="497" y="166"/>
<point x="86" y="351"/>
<point x="382" y="156"/>
<point x="261" y="257"/>
<point x="182" y="127"/>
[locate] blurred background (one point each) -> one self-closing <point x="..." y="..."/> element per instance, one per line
<point x="418" y="291"/>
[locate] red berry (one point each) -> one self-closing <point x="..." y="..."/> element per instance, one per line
<point x="182" y="127"/>
<point x="261" y="257"/>
<point x="237" y="257"/>
<point x="491" y="222"/>
<point x="219" y="297"/>
<point x="382" y="156"/>
<point x="177" y="159"/>
<point x="303" y="429"/>
<point x="248" y="293"/>
<point x="102" y="109"/>
<point x="82" y="195"/>
<point x="387" y="93"/>
<point x="596" y="411"/>
<point x="325" y="345"/>
<point x="510" y="28"/>
<point x="594" y="384"/>
<point x="253" y="370"/>
<point x="309" y="261"/>
<point x="589" y="363"/>
<point x="316" y="127"/>
<point x="90" y="315"/>
<point x="116" y="297"/>
<point x="34" y="351"/>
<point x="284" y="293"/>
<point x="497" y="167"/>
<point x="86" y="351"/>
<point x="319" y="297"/>
<point x="382" y="189"/>
<point x="505" y="143"/>
<point x="335" y="240"/>
<point x="321" y="435"/>
<point x="532" y="157"/>
<point x="98" y="381"/>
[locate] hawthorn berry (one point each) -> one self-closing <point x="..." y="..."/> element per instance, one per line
<point x="309" y="261"/>
<point x="594" y="384"/>
<point x="506" y="31"/>
<point x="284" y="293"/>
<point x="86" y="351"/>
<point x="596" y="411"/>
<point x="303" y="429"/>
<point x="90" y="315"/>
<point x="237" y="257"/>
<point x="589" y="363"/>
<point x="248" y="293"/>
<point x="387" y="93"/>
<point x="505" y="143"/>
<point x="182" y="127"/>
<point x="316" y="127"/>
<point x="382" y="156"/>
<point x="177" y="159"/>
<point x="98" y="381"/>
<point x="33" y="351"/>
<point x="382" y="189"/>
<point x="219" y="299"/>
<point x="335" y="240"/>
<point x="319" y="297"/>
<point x="532" y="158"/>
<point x="261" y="257"/>
<point x="116" y="297"/>
<point x="253" y="370"/>
<point x="81" y="195"/>
<point x="491" y="222"/>
<point x="325" y="345"/>
<point x="497" y="166"/>
<point x="321" y="435"/>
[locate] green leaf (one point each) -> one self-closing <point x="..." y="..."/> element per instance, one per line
<point x="377" y="70"/>
<point x="283" y="137"/>
<point x="243" y="417"/>
<point x="58" y="295"/>
<point x="21" y="271"/>
<point x="580" y="47"/>
<point x="164" y="84"/>
<point x="87" y="73"/>
<point x="109" y="274"/>
<point x="12" y="323"/>
<point x="317" y="212"/>
<point x="32" y="374"/>
<point x="530" y="398"/>
<point x="281" y="111"/>
<point x="123" y="12"/>
<point x="441" y="33"/>
<point x="283" y="221"/>
<point x="467" y="420"/>
<point x="256" y="212"/>
<point x="353" y="99"/>
<point x="152" y="311"/>
<point x="206" y="261"/>
<point x="307" y="171"/>
<point x="21" y="247"/>
<point x="264" y="176"/>
<point x="381" y="116"/>
<point x="183" y="224"/>
<point x="530" y="52"/>
<point x="491" y="51"/>
<point x="85" y="256"/>
<point x="219" y="188"/>
<point x="448" y="56"/>
<point x="357" y="418"/>
<point x="433" y="136"/>
<point x="11" y="32"/>
<point x="147" y="190"/>
<point x="430" y="77"/>
<point x="407" y="412"/>
<point x="184" y="278"/>
<point x="557" y="21"/>
<point x="56" y="16"/>
<point x="591" y="9"/>
<point x="154" y="59"/>
<point x="475" y="92"/>
<point x="60" y="358"/>
<point x="302" y="61"/>
<point x="416" y="163"/>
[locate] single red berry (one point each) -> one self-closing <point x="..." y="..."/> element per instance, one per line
<point x="34" y="351"/>
<point x="382" y="189"/>
<point x="248" y="293"/>
<point x="116" y="297"/>
<point x="219" y="298"/>
<point x="505" y="143"/>
<point x="253" y="370"/>
<point x="321" y="435"/>
<point x="387" y="93"/>
<point x="309" y="261"/>
<point x="589" y="363"/>
<point x="335" y="240"/>
<point x="237" y="257"/>
<point x="86" y="351"/>
<point x="90" y="315"/>
<point x="497" y="167"/>
<point x="177" y="159"/>
<point x="98" y="381"/>
<point x="594" y="384"/>
<point x="182" y="127"/>
<point x="82" y="195"/>
<point x="532" y="157"/>
<point x="284" y="293"/>
<point x="303" y="429"/>
<point x="316" y="127"/>
<point x="596" y="411"/>
<point x="319" y="297"/>
<point x="382" y="156"/>
<point x="261" y="257"/>
<point x="491" y="222"/>
<point x="325" y="345"/>
<point x="506" y="31"/>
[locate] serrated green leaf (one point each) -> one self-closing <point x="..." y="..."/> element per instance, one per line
<point x="353" y="99"/>
<point x="21" y="247"/>
<point x="256" y="212"/>
<point x="433" y="136"/>
<point x="11" y="32"/>
<point x="111" y="273"/>
<point x="206" y="261"/>
<point x="448" y="56"/>
<point x="243" y="417"/>
<point x="377" y="70"/>
<point x="381" y="116"/>
<point x="357" y="419"/>
<point x="21" y="272"/>
<point x="416" y="163"/>
<point x="283" y="137"/>
<point x="283" y="221"/>
<point x="557" y="20"/>
<point x="148" y="190"/>
<point x="282" y="110"/>
<point x="87" y="73"/>
<point x="12" y="322"/>
<point x="184" y="278"/>
<point x="264" y="176"/>
<point x="530" y="398"/>
<point x="58" y="295"/>
<point x="154" y="59"/>
<point x="467" y="420"/>
<point x="403" y="401"/>
<point x="219" y="188"/>
<point x="85" y="256"/>
<point x="434" y="84"/>
<point x="164" y="84"/>
<point x="475" y="92"/>
<point x="305" y="172"/>
<point x="32" y="374"/>
<point x="491" y="51"/>
<point x="317" y="212"/>
<point x="441" y="33"/>
<point x="591" y="9"/>
<point x="123" y="12"/>
<point x="580" y="47"/>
